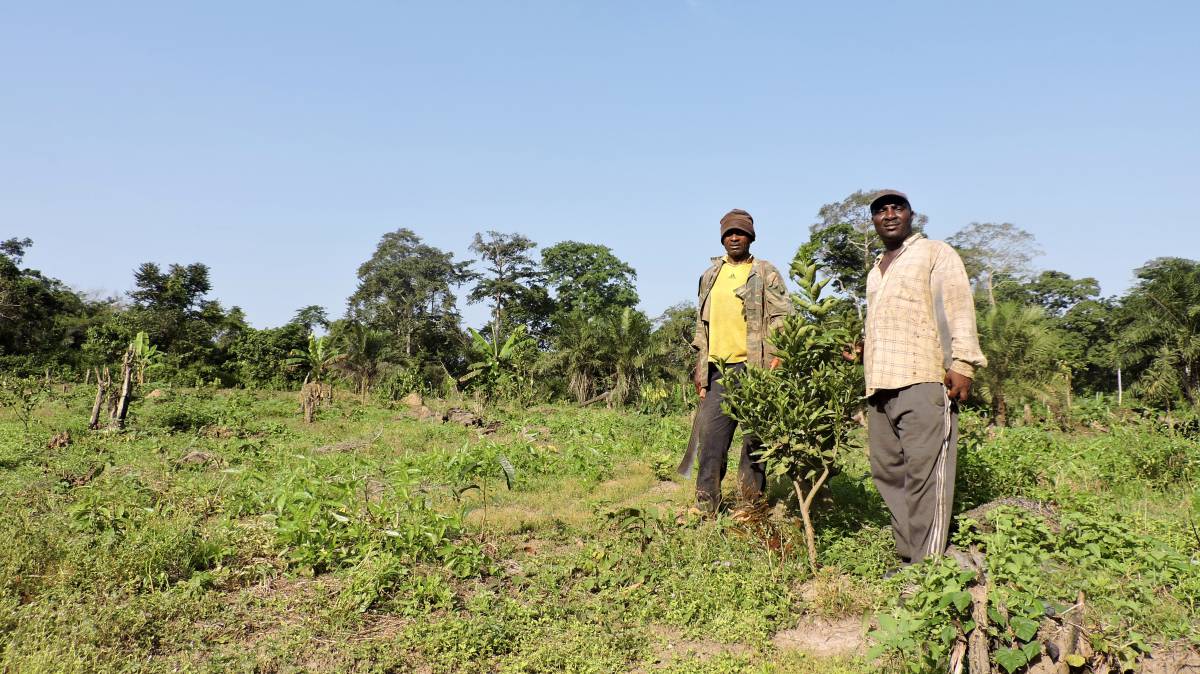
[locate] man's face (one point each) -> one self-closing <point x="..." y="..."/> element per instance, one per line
<point x="737" y="244"/>
<point x="893" y="220"/>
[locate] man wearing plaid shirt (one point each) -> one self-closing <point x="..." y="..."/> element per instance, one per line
<point x="920" y="353"/>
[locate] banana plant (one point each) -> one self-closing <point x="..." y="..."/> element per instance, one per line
<point x="496" y="360"/>
<point x="317" y="360"/>
<point x="146" y="356"/>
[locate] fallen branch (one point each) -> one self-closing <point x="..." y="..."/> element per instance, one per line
<point x="602" y="396"/>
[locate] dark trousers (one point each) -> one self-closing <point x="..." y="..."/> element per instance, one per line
<point x="715" y="438"/>
<point x="913" y="434"/>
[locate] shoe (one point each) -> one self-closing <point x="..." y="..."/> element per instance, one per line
<point x="693" y="514"/>
<point x="749" y="512"/>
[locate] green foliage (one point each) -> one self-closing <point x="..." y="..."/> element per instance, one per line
<point x="919" y="631"/>
<point x="34" y="308"/>
<point x="588" y="278"/>
<point x="1054" y="291"/>
<point x="23" y="395"/>
<point x="317" y="360"/>
<point x="362" y="354"/>
<point x="511" y="283"/>
<point x="1023" y="358"/>
<point x="802" y="411"/>
<point x="258" y="357"/>
<point x="502" y="370"/>
<point x="1163" y="334"/>
<point x="610" y="353"/>
<point x="146" y="356"/>
<point x="406" y="289"/>
<point x="325" y="524"/>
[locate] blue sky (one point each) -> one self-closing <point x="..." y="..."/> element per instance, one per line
<point x="277" y="141"/>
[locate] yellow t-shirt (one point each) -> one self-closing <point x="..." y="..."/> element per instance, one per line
<point x="727" y="316"/>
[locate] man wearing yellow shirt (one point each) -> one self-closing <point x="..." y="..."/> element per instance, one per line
<point x="741" y="300"/>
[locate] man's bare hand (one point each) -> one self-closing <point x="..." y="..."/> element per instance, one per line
<point x="958" y="386"/>
<point x="774" y="364"/>
<point x="852" y="352"/>
<point x="700" y="390"/>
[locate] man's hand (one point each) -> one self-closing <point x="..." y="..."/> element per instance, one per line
<point x="958" y="386"/>
<point x="852" y="352"/>
<point x="774" y="364"/>
<point x="700" y="390"/>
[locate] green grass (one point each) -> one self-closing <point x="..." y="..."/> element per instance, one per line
<point x="370" y="541"/>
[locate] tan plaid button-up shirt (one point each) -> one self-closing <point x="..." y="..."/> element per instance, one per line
<point x="920" y="318"/>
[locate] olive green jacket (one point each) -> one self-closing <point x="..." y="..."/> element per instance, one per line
<point x="765" y="303"/>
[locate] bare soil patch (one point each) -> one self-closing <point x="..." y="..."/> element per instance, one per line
<point x="825" y="637"/>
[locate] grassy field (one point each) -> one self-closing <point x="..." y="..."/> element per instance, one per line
<point x="220" y="533"/>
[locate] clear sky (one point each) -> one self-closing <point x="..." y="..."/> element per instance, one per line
<point x="277" y="141"/>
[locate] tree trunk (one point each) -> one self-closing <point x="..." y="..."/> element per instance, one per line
<point x="805" y="501"/>
<point x="991" y="295"/>
<point x="101" y="394"/>
<point x="118" y="420"/>
<point x="999" y="409"/>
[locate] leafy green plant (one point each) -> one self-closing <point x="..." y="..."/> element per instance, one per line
<point x="330" y="523"/>
<point x="802" y="411"/>
<point x="23" y="395"/>
<point x="920" y="630"/>
<point x="146" y="356"/>
<point x="496" y="368"/>
<point x="317" y="360"/>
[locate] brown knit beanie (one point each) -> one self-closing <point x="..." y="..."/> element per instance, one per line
<point x="737" y="219"/>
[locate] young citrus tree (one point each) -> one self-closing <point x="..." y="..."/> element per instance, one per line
<point x="802" y="411"/>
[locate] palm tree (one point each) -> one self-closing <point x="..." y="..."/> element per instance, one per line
<point x="578" y="354"/>
<point x="1164" y="329"/>
<point x="1022" y="353"/>
<point x="630" y="351"/>
<point x="363" y="356"/>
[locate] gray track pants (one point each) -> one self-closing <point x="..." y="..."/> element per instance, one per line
<point x="913" y="435"/>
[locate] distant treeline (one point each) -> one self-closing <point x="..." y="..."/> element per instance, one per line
<point x="565" y="324"/>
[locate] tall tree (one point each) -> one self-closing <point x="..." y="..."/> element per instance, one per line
<point x="407" y="290"/>
<point x="992" y="250"/>
<point x="36" y="312"/>
<point x="508" y="275"/>
<point x="1164" y="329"/>
<point x="672" y="341"/>
<point x="845" y="244"/>
<point x="167" y="305"/>
<point x="588" y="277"/>
<point x="311" y="317"/>
<point x="1088" y="332"/>
<point x="1054" y="291"/>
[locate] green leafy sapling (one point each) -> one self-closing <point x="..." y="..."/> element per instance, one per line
<point x="802" y="411"/>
